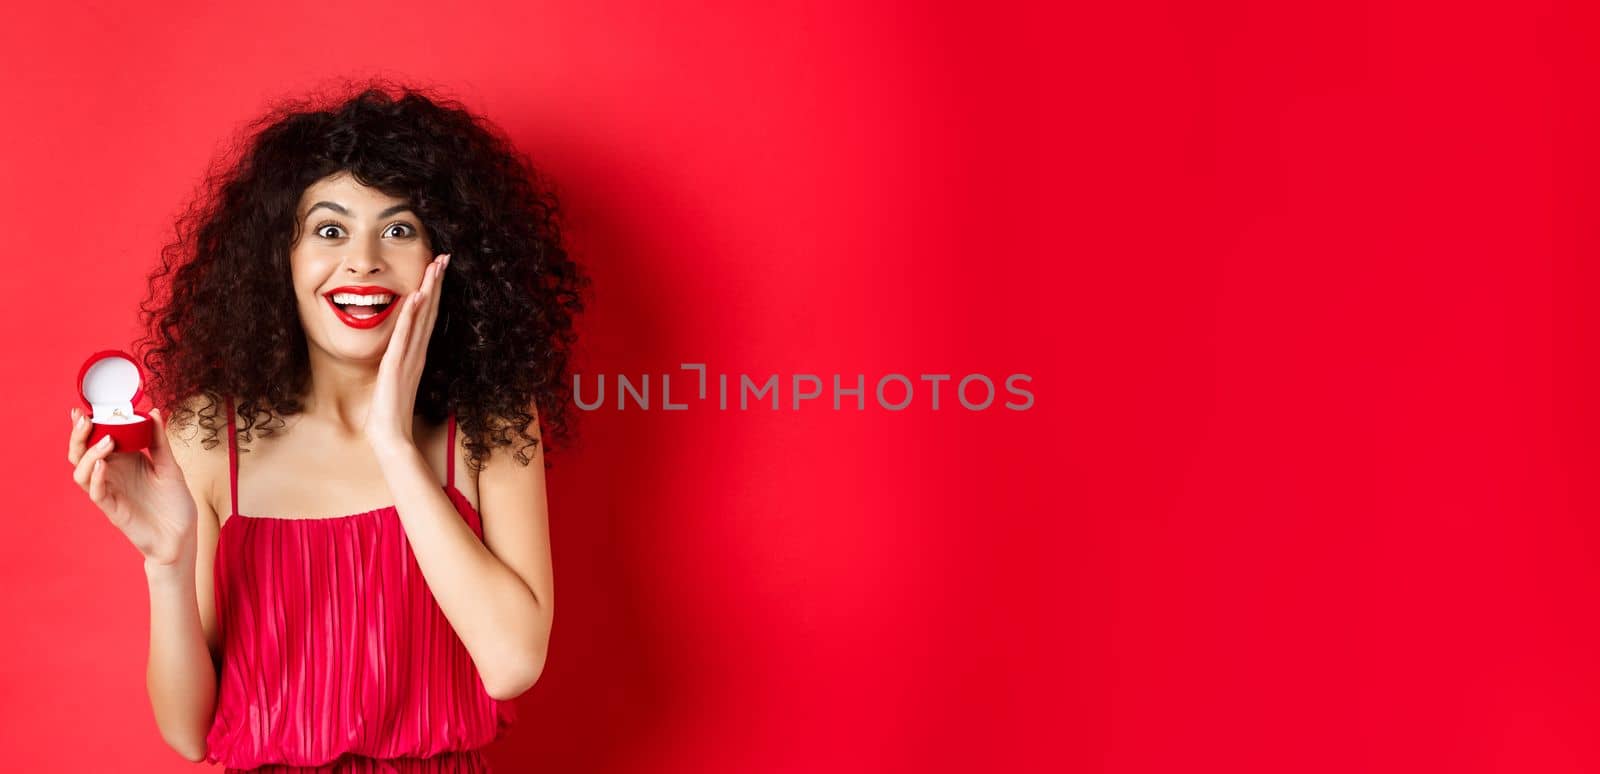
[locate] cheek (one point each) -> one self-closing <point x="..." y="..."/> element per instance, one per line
<point x="412" y="280"/>
<point x="308" y="272"/>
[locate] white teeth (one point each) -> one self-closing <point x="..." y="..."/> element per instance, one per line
<point x="372" y="300"/>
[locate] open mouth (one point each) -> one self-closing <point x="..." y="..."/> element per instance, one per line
<point x="361" y="310"/>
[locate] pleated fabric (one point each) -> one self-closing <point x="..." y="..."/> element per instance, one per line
<point x="335" y="655"/>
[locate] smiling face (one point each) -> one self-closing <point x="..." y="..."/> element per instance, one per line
<point x="359" y="251"/>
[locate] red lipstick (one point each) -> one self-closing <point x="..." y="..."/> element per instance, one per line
<point x="365" y="290"/>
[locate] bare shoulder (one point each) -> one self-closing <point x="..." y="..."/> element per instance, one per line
<point x="515" y="512"/>
<point x="204" y="462"/>
<point x="512" y="492"/>
<point x="203" y="459"/>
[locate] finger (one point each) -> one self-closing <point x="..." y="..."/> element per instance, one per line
<point x="98" y="451"/>
<point x="439" y="265"/>
<point x="80" y="435"/>
<point x="437" y="296"/>
<point x="430" y="284"/>
<point x="401" y="334"/>
<point x="97" y="484"/>
<point x="426" y="313"/>
<point x="419" y="312"/>
<point x="409" y="329"/>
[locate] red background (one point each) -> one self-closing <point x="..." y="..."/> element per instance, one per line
<point x="1302" y="488"/>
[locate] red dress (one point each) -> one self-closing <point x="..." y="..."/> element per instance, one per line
<point x="335" y="655"/>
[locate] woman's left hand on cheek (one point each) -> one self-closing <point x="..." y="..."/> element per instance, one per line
<point x="400" y="373"/>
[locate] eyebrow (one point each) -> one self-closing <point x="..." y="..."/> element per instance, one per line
<point x="402" y="207"/>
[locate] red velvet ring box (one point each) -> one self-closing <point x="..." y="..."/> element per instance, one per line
<point x="110" y="382"/>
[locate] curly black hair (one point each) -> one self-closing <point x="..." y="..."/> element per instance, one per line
<point x="220" y="316"/>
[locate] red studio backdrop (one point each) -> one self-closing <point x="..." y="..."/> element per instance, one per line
<point x="1301" y="294"/>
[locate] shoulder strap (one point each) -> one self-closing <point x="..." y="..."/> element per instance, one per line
<point x="450" y="453"/>
<point x="233" y="464"/>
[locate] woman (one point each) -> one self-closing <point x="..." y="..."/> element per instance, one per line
<point x="377" y="289"/>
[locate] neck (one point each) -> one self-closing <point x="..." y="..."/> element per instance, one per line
<point x="341" y="391"/>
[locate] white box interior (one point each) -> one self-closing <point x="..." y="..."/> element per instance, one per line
<point x="110" y="385"/>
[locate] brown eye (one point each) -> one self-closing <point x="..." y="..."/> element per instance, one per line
<point x="409" y="231"/>
<point x="321" y="233"/>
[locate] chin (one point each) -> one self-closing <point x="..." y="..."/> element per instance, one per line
<point x="353" y="346"/>
<point x="359" y="346"/>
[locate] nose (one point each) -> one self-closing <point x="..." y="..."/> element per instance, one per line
<point x="363" y="261"/>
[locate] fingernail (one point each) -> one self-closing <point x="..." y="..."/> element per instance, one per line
<point x="82" y="421"/>
<point x="105" y="440"/>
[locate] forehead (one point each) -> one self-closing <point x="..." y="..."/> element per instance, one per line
<point x="343" y="189"/>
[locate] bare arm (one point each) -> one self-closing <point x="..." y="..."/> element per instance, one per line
<point x="497" y="594"/>
<point x="174" y="528"/>
<point x="181" y="676"/>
